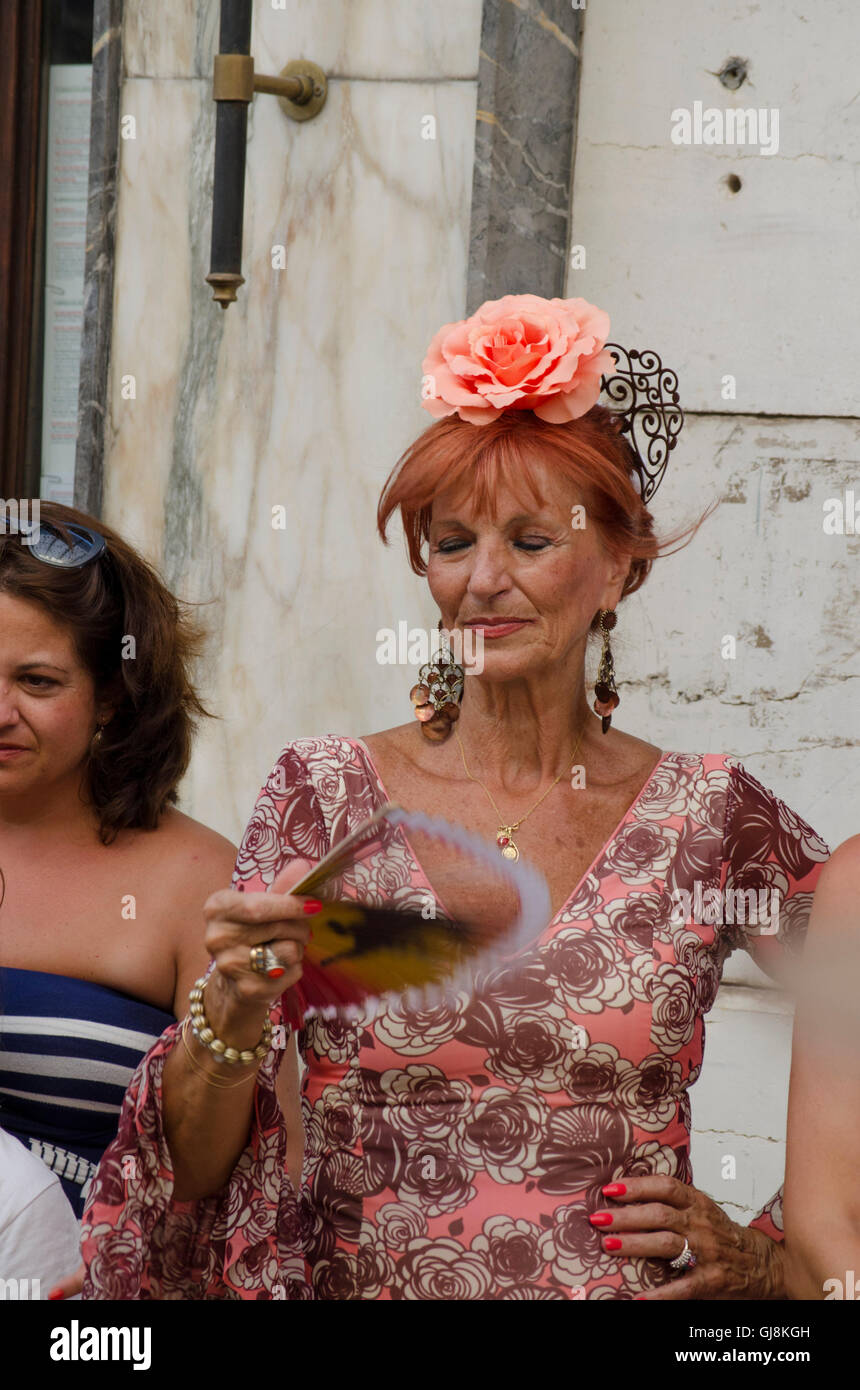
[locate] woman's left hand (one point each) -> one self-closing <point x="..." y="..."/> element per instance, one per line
<point x="653" y="1216"/>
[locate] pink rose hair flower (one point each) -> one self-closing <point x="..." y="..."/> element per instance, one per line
<point x="519" y="353"/>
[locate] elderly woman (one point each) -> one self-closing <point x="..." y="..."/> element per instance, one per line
<point x="529" y="1137"/>
<point x="101" y="878"/>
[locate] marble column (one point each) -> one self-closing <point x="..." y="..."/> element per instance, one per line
<point x="303" y="394"/>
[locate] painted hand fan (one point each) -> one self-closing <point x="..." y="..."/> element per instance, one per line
<point x="361" y="955"/>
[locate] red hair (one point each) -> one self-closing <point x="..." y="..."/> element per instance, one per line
<point x="478" y="461"/>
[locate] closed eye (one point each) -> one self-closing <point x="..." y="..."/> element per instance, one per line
<point x="449" y="547"/>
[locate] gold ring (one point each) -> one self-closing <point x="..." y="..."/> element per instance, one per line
<point x="265" y="962"/>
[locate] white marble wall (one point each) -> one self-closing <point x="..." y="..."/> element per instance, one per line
<point x="304" y="393"/>
<point x="750" y="283"/>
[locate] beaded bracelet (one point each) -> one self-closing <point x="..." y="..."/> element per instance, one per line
<point x="219" y="1049"/>
<point x="211" y="1080"/>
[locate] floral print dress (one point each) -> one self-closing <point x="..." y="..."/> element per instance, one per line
<point x="456" y="1152"/>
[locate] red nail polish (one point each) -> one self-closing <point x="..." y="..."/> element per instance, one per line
<point x="311" y="905"/>
<point x="601" y="1218"/>
<point x="612" y="1243"/>
<point x="614" y="1189"/>
<point x="276" y="972"/>
<point x="640" y="1298"/>
<point x="55" y="1294"/>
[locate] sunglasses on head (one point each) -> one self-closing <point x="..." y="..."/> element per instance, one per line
<point x="52" y="548"/>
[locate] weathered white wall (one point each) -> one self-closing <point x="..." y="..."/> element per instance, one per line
<point x="756" y="284"/>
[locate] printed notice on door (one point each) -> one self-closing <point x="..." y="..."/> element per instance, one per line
<point x="69" y="101"/>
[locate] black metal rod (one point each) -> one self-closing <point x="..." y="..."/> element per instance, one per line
<point x="231" y="135"/>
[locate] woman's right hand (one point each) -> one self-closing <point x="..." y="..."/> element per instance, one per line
<point x="69" y="1287"/>
<point x="237" y="998"/>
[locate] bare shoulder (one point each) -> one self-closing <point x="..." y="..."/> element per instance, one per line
<point x="389" y="737"/>
<point x="191" y="853"/>
<point x="846" y="859"/>
<point x="837" y="894"/>
<point x="636" y="750"/>
<point x="392" y="743"/>
<point x="192" y="862"/>
<point x="622" y="756"/>
<point x="185" y="830"/>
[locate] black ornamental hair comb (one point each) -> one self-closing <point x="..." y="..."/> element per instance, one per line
<point x="645" y="394"/>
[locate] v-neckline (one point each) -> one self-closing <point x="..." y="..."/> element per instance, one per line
<point x="592" y="866"/>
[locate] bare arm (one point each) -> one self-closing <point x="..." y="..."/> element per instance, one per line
<point x="290" y="1097"/>
<point x="822" y="1203"/>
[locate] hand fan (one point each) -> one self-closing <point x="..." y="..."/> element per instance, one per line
<point x="362" y="955"/>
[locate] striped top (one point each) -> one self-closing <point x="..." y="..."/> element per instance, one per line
<point x="68" y="1049"/>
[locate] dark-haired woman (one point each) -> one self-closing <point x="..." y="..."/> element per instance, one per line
<point x="102" y="878"/>
<point x="528" y="1138"/>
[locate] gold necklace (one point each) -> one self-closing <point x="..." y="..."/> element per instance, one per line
<point x="505" y="833"/>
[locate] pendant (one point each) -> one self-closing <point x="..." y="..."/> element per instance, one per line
<point x="505" y="841"/>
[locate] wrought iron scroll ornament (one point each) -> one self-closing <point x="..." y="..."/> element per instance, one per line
<point x="645" y="394"/>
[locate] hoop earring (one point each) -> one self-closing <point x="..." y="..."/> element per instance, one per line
<point x="607" y="697"/>
<point x="437" y="696"/>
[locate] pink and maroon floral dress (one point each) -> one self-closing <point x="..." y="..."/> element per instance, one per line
<point x="455" y="1152"/>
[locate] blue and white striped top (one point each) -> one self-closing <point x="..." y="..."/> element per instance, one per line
<point x="68" y="1049"/>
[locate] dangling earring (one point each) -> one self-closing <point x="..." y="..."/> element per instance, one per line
<point x="608" y="698"/>
<point x="97" y="740"/>
<point x="436" y="698"/>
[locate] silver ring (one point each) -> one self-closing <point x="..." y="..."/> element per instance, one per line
<point x="686" y="1259"/>
<point x="265" y="962"/>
